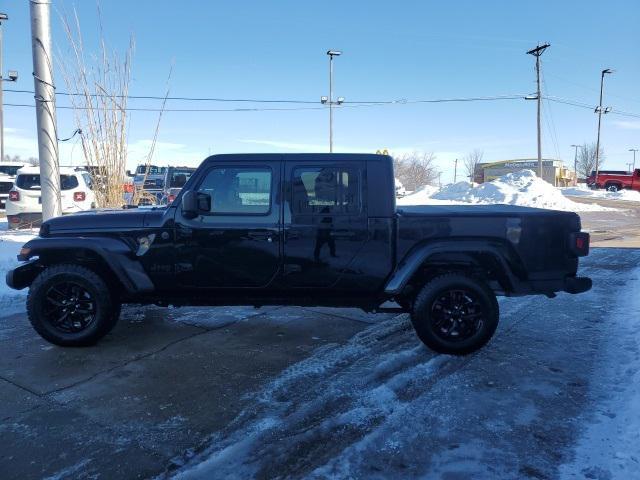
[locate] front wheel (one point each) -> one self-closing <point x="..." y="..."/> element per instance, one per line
<point x="455" y="314"/>
<point x="612" y="188"/>
<point x="70" y="305"/>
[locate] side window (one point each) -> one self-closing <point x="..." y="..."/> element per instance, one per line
<point x="325" y="190"/>
<point x="88" y="181"/>
<point x="239" y="190"/>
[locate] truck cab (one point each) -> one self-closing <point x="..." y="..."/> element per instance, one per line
<point x="299" y="229"/>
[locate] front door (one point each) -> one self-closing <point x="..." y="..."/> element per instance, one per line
<point x="325" y="221"/>
<point x="236" y="242"/>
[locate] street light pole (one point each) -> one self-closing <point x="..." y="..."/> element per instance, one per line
<point x="3" y="16"/>
<point x="634" y="150"/>
<point x="599" y="112"/>
<point x="45" y="107"/>
<point x="575" y="162"/>
<point x="331" y="53"/>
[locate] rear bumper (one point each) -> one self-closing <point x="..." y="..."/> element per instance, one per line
<point x="24" y="220"/>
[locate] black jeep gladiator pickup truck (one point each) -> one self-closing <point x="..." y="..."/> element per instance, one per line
<point x="299" y="229"/>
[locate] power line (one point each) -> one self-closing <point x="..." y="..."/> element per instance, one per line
<point x="262" y="109"/>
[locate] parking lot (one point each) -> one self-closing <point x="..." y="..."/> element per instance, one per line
<point x="293" y="392"/>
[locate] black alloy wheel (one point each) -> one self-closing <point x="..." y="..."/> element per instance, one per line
<point x="69" y="307"/>
<point x="457" y="315"/>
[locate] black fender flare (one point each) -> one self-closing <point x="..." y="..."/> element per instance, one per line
<point x="418" y="255"/>
<point x="116" y="254"/>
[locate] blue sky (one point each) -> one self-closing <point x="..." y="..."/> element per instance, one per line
<point x="391" y="50"/>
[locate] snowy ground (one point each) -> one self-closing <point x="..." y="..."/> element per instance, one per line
<point x="521" y="188"/>
<point x="10" y="244"/>
<point x="585" y="192"/>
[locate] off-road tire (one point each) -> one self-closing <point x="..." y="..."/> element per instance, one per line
<point x="105" y="304"/>
<point x="424" y="315"/>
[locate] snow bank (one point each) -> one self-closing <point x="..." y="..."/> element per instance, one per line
<point x="522" y="188"/>
<point x="584" y="191"/>
<point x="11" y="301"/>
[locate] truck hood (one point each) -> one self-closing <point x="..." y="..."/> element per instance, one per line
<point x="105" y="220"/>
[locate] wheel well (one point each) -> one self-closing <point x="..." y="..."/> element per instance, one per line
<point x="86" y="258"/>
<point x="483" y="266"/>
<point x="610" y="184"/>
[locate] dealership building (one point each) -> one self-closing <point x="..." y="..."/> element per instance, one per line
<point x="553" y="171"/>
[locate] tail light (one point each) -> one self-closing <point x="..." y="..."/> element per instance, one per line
<point x="14" y="219"/>
<point x="579" y="243"/>
<point x="14" y="196"/>
<point x="171" y="198"/>
<point x="79" y="196"/>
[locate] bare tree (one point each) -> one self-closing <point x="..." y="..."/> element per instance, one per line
<point x="587" y="159"/>
<point x="415" y="169"/>
<point x="101" y="81"/>
<point x="471" y="162"/>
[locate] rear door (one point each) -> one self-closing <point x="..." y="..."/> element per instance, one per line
<point x="325" y="221"/>
<point x="237" y="242"/>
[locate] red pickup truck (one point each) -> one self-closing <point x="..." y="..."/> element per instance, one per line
<point x="615" y="180"/>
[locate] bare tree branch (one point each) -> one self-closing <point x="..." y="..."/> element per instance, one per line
<point x="587" y="159"/>
<point x="415" y="169"/>
<point x="471" y="162"/>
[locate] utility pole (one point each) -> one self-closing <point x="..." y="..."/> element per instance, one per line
<point x="455" y="171"/>
<point x="629" y="167"/>
<point x="12" y="77"/>
<point x="329" y="100"/>
<point x="539" y="50"/>
<point x="45" y="107"/>
<point x="634" y="150"/>
<point x="575" y="162"/>
<point x="599" y="111"/>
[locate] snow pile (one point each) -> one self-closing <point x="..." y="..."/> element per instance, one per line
<point x="11" y="301"/>
<point x="522" y="188"/>
<point x="584" y="191"/>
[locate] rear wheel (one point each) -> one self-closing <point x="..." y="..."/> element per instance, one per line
<point x="612" y="187"/>
<point x="455" y="314"/>
<point x="70" y="305"/>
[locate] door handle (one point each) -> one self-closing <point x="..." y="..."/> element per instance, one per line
<point x="268" y="236"/>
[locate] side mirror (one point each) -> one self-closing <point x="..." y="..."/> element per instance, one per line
<point x="190" y="204"/>
<point x="195" y="202"/>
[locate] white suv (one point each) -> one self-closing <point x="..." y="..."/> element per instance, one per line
<point x="24" y="205"/>
<point x="8" y="172"/>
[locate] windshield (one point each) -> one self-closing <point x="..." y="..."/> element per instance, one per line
<point x="32" y="182"/>
<point x="10" y="170"/>
<point x="179" y="178"/>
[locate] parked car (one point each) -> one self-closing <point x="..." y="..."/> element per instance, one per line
<point x="24" y="204"/>
<point x="8" y="171"/>
<point x="614" y="180"/>
<point x="299" y="229"/>
<point x="148" y="182"/>
<point x="400" y="190"/>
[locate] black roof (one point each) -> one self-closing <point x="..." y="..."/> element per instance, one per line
<point x="325" y="157"/>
